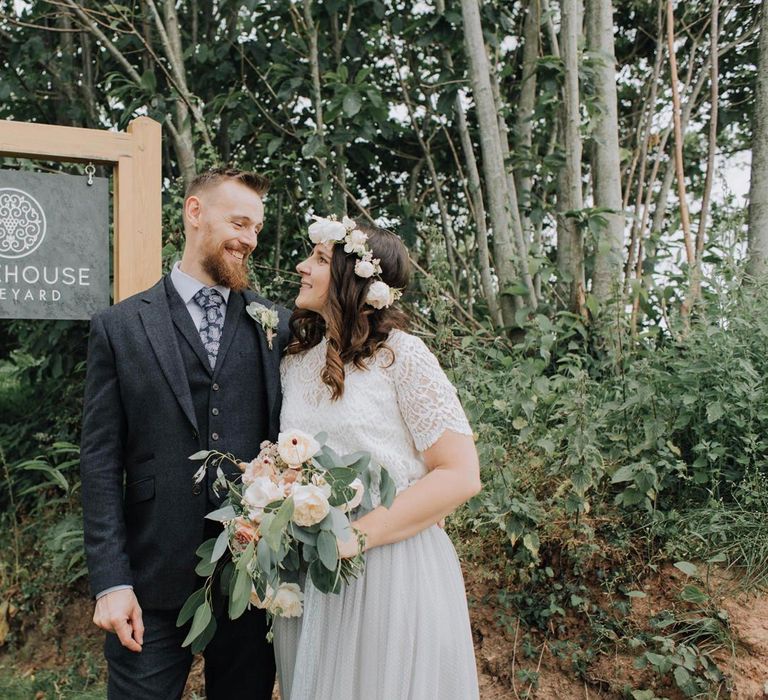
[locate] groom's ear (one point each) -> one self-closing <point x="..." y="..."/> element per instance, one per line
<point x="192" y="209"/>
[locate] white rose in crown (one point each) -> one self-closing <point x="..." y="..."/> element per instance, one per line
<point x="325" y="230"/>
<point x="261" y="492"/>
<point x="310" y="505"/>
<point x="365" y="268"/>
<point x="355" y="242"/>
<point x="296" y="447"/>
<point x="357" y="499"/>
<point x="287" y="602"/>
<point x="379" y="295"/>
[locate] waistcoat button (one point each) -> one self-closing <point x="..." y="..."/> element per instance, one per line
<point x="215" y="411"/>
<point x="215" y="436"/>
<point x="197" y="490"/>
<point x="215" y="387"/>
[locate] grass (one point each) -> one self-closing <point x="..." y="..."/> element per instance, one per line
<point x="49" y="685"/>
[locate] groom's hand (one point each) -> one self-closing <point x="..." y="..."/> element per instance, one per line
<point x="120" y="612"/>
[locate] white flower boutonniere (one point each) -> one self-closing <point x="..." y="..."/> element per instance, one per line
<point x="266" y="318"/>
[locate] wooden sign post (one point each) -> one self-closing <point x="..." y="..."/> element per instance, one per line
<point x="136" y="157"/>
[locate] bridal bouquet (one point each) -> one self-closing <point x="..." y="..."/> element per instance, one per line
<point x="281" y="520"/>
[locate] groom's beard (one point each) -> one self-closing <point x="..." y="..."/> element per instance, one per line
<point x="226" y="271"/>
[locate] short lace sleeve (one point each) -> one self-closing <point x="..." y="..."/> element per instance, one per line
<point x="427" y="399"/>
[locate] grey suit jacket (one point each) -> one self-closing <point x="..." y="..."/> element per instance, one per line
<point x="143" y="520"/>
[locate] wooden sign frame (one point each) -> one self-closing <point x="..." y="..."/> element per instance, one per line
<point x="137" y="159"/>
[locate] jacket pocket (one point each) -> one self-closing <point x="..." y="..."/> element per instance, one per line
<point x="141" y="490"/>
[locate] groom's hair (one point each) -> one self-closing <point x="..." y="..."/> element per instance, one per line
<point x="258" y="183"/>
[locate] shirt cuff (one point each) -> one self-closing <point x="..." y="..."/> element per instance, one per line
<point x="124" y="587"/>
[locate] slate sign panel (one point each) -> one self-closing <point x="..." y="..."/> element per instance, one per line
<point x="54" y="245"/>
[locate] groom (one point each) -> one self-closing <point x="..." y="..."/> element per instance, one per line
<point x="176" y="369"/>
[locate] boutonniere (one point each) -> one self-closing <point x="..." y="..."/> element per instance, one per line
<point x="266" y="318"/>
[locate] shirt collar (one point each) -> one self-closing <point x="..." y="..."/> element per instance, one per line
<point x="187" y="286"/>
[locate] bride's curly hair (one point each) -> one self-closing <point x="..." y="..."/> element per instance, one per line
<point x="354" y="330"/>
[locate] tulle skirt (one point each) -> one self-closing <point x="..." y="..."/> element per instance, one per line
<point x="399" y="632"/>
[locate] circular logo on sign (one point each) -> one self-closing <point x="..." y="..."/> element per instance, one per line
<point x="22" y="223"/>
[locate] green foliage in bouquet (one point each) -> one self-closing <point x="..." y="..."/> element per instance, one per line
<point x="282" y="520"/>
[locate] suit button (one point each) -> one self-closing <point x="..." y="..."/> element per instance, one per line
<point x="197" y="490"/>
<point x="215" y="387"/>
<point x="215" y="411"/>
<point x="215" y="436"/>
<point x="195" y="435"/>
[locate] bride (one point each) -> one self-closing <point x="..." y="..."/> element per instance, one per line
<point x="401" y="631"/>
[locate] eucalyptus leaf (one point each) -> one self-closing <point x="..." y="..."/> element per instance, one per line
<point x="327" y="550"/>
<point x="200" y="621"/>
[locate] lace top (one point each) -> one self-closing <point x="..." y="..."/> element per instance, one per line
<point x="394" y="410"/>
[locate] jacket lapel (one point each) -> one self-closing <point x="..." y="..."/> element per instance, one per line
<point x="270" y="362"/>
<point x="235" y="311"/>
<point x="156" y="317"/>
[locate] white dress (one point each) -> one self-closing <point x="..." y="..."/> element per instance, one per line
<point x="401" y="631"/>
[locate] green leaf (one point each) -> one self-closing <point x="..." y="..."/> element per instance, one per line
<point x="221" y="545"/>
<point x="190" y="606"/>
<point x="387" y="488"/>
<point x="264" y="556"/>
<point x="200" y="455"/>
<point x="636" y="594"/>
<point x="352" y="103"/>
<point x="694" y="594"/>
<point x="274" y="144"/>
<point x="682" y="677"/>
<point x="625" y="473"/>
<point x="715" y="411"/>
<point x="200" y="621"/>
<point x="241" y="593"/>
<point x="687" y="568"/>
<point x="222" y="514"/>
<point x="327" y="550"/>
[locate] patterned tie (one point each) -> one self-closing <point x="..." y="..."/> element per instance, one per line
<point x="211" y="302"/>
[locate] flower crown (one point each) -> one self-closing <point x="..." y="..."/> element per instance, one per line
<point x="331" y="230"/>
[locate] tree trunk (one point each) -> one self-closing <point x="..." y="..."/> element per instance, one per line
<point x="571" y="260"/>
<point x="493" y="163"/>
<point x="757" y="246"/>
<point x="606" y="167"/>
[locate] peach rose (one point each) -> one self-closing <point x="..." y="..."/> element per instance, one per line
<point x="287" y="602"/>
<point x="259" y="494"/>
<point x="296" y="447"/>
<point x="310" y="505"/>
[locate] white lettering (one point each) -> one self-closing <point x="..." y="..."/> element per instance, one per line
<point x="29" y="296"/>
<point x="84" y="272"/>
<point x="68" y="275"/>
<point x="15" y="293"/>
<point x="55" y="276"/>
<point x="3" y="290"/>
<point x="30" y="274"/>
<point x="11" y="271"/>
<point x="55" y="295"/>
<point x="42" y="295"/>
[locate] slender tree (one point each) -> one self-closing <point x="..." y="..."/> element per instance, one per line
<point x="606" y="162"/>
<point x="757" y="246"/>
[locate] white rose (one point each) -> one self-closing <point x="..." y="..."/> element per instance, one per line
<point x="349" y="224"/>
<point x="364" y="268"/>
<point x="355" y="242"/>
<point x="287" y="602"/>
<point x="310" y="504"/>
<point x="379" y="295"/>
<point x="260" y="493"/>
<point x="319" y="481"/>
<point x="296" y="447"/>
<point x="325" y="230"/>
<point x="357" y="499"/>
